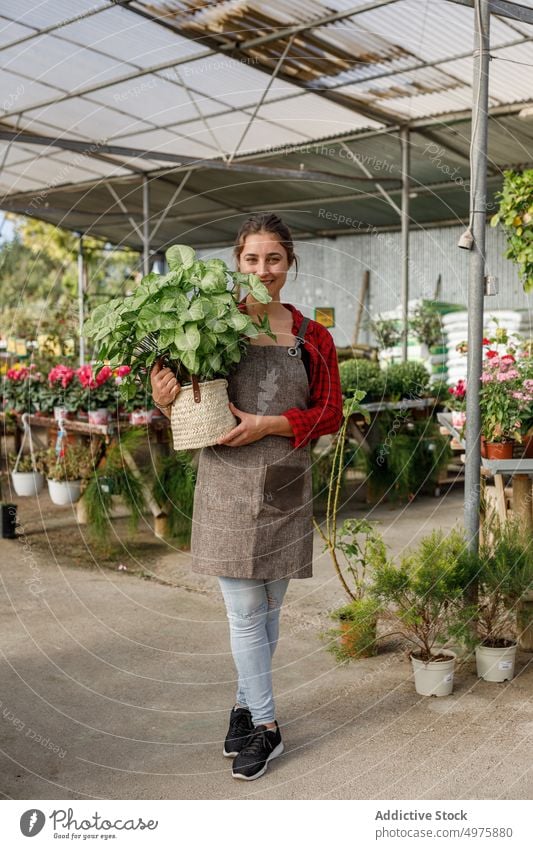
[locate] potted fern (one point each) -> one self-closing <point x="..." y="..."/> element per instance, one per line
<point x="189" y="318"/>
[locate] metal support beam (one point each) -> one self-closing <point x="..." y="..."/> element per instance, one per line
<point x="476" y="279"/>
<point x="261" y="100"/>
<point x="124" y="208"/>
<point x="404" y="142"/>
<point x="503" y="8"/>
<point x="368" y="173"/>
<point x="146" y="226"/>
<point x="81" y="299"/>
<point x="170" y="204"/>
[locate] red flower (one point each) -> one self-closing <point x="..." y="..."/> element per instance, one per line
<point x="491" y="354"/>
<point x="486" y="341"/>
<point x="122" y="371"/>
<point x="103" y="375"/>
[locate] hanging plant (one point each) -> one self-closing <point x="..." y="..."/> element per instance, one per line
<point x="516" y="217"/>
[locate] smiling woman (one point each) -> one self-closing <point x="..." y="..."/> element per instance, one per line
<point x="252" y="518"/>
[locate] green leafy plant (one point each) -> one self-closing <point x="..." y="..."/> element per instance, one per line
<point x="27" y="464"/>
<point x="190" y="317"/>
<point x="516" y="217"/>
<point x="354" y="635"/>
<point x="422" y="594"/>
<point x="365" y="376"/>
<point x="426" y="324"/>
<point x="387" y="332"/>
<point x="406" y="380"/>
<point x="76" y="463"/>
<point x="503" y="570"/>
<point x="114" y="477"/>
<point x="174" y="487"/>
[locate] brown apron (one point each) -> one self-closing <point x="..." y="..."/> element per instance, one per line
<point x="252" y="514"/>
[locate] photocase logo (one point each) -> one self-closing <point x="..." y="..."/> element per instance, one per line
<point x="31" y="822"/>
<point x="268" y="388"/>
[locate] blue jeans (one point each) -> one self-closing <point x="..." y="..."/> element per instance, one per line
<point x="253" y="607"/>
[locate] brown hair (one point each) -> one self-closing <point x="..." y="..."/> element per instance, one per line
<point x="266" y="222"/>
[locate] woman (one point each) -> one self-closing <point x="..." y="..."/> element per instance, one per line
<point x="252" y="518"/>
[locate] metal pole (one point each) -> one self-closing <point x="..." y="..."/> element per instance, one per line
<point x="476" y="278"/>
<point x="404" y="141"/>
<point x="146" y="227"/>
<point x="81" y="299"/>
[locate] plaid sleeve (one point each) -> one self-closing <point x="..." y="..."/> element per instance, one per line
<point x="324" y="414"/>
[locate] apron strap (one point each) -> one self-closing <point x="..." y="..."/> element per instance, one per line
<point x="300" y="338"/>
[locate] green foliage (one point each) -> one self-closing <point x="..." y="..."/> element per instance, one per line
<point x="503" y="568"/>
<point x="174" y="485"/>
<point x="387" y="331"/>
<point x="516" y="217"/>
<point x="407" y="458"/>
<point x="114" y="478"/>
<point x="76" y="463"/>
<point x="27" y="464"/>
<point x="406" y="380"/>
<point x="188" y="316"/>
<point x="424" y="591"/>
<point x="426" y="324"/>
<point x="355" y="635"/>
<point x="365" y="376"/>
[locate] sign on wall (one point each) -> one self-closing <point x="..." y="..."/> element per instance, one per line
<point x="325" y="316"/>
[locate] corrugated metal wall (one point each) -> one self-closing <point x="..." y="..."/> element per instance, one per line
<point x="331" y="273"/>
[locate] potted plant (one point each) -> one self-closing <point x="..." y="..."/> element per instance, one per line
<point x="364" y="376"/>
<point x="99" y="392"/>
<point x="500" y="405"/>
<point x="191" y="319"/>
<point x="27" y="473"/>
<point x="426" y="325"/>
<point x="456" y="402"/>
<point x="60" y="393"/>
<point x="22" y="389"/>
<point x="67" y="472"/>
<point x="421" y="595"/>
<point x="140" y="405"/>
<point x="516" y="215"/>
<point x="503" y="568"/>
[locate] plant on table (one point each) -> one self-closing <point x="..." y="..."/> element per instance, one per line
<point x="61" y="389"/>
<point x="22" y="386"/>
<point x="426" y="324"/>
<point x="387" y="332"/>
<point x="407" y="380"/>
<point x="189" y="317"/>
<point x="500" y="401"/>
<point x="365" y="376"/>
<point x="99" y="388"/>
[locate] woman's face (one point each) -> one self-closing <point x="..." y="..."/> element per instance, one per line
<point x="264" y="255"/>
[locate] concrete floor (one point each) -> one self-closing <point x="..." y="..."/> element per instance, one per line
<point x="117" y="687"/>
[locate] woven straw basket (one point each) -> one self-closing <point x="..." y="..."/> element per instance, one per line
<point x="200" y="415"/>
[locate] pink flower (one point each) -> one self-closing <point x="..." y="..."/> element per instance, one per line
<point x="61" y="374"/>
<point x="122" y="371"/>
<point x="507" y="359"/>
<point x="103" y="375"/>
<point x="528" y="384"/>
<point x="85" y="376"/>
<point x="486" y="377"/>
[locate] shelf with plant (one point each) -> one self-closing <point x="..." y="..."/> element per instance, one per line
<point x="61" y="389"/>
<point x="21" y="389"/>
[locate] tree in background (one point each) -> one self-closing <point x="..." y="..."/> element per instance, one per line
<point x="39" y="280"/>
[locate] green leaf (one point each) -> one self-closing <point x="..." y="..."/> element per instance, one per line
<point x="238" y="320"/>
<point x="180" y="256"/>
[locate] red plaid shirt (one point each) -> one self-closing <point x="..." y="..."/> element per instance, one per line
<point x="324" y="413"/>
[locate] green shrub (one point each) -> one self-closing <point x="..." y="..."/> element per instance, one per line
<point x="406" y="380"/>
<point x="363" y="375"/>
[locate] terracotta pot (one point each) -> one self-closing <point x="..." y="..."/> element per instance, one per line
<point x="350" y="635"/>
<point x="500" y="450"/>
<point x="483" y="447"/>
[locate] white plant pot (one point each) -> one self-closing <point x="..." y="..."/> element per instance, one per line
<point x="458" y="419"/>
<point x="64" y="492"/>
<point x="99" y="417"/>
<point x="141" y="417"/>
<point x="27" y="483"/>
<point x="436" y="677"/>
<point x="495" y="664"/>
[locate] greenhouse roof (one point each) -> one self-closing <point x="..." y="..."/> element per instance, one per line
<point x="201" y="112"/>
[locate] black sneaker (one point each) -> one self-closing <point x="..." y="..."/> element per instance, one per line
<point x="240" y="727"/>
<point x="261" y="747"/>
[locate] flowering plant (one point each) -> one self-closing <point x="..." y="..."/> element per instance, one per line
<point x="501" y="400"/>
<point x="22" y="389"/>
<point x="61" y="389"/>
<point x="97" y="390"/>
<point x="457" y="396"/>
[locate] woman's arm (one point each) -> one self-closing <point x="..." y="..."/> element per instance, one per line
<point x="324" y="414"/>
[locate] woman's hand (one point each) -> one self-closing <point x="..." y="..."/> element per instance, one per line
<point x="165" y="387"/>
<point x="250" y="428"/>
